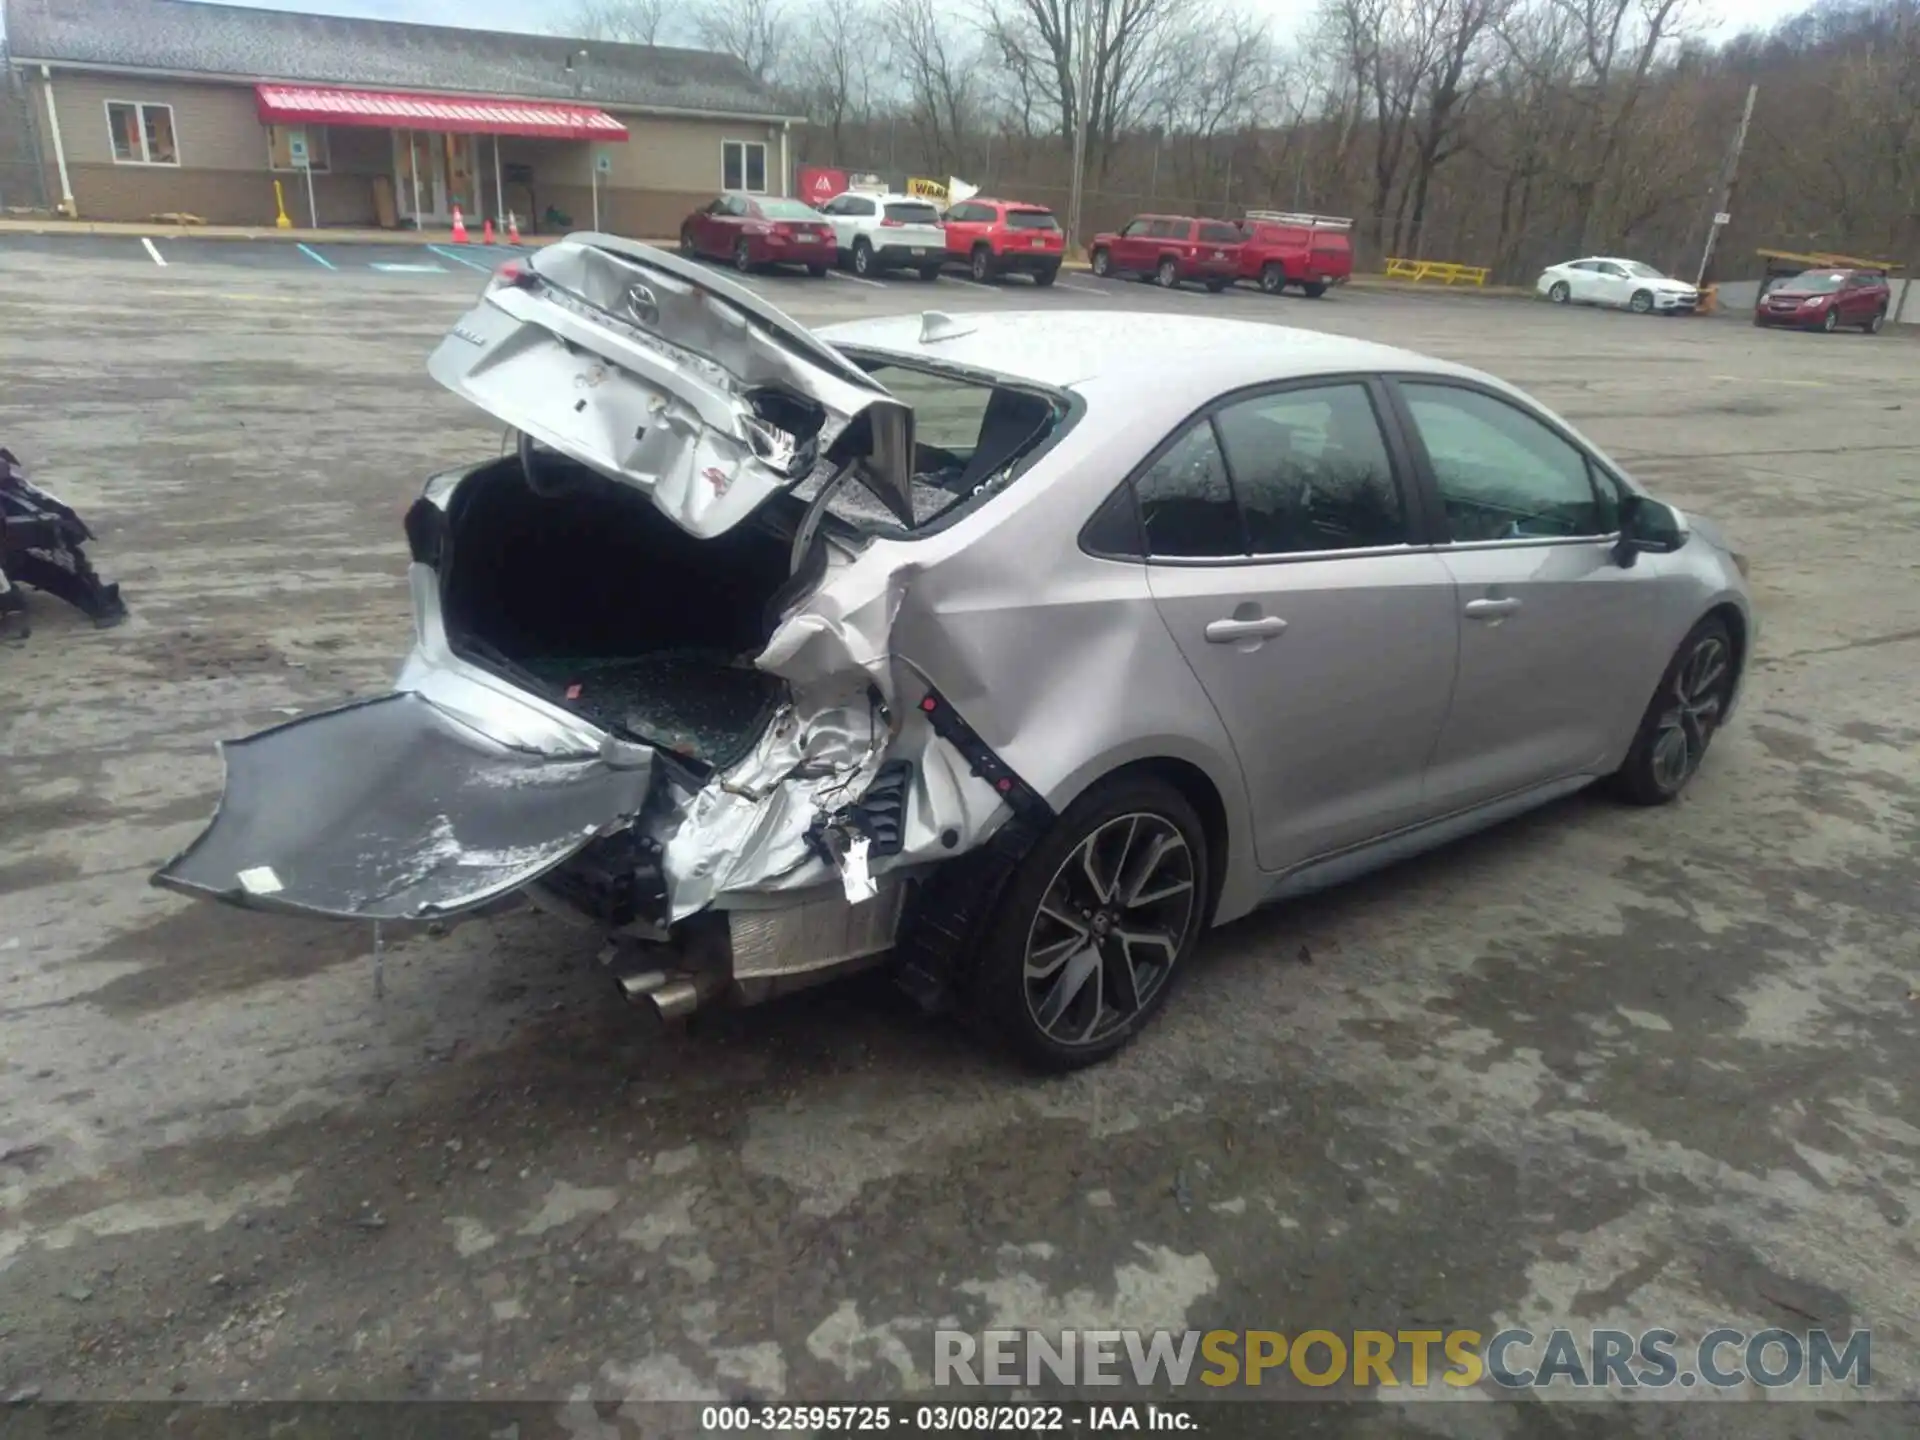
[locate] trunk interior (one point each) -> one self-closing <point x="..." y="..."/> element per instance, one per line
<point x="604" y="605"/>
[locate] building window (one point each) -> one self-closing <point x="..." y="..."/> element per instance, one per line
<point x="743" y="166"/>
<point x="280" y="140"/>
<point x="142" y="134"/>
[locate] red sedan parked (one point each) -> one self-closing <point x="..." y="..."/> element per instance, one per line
<point x="757" y="230"/>
<point x="1171" y="249"/>
<point x="1000" y="237"/>
<point x="1826" y="300"/>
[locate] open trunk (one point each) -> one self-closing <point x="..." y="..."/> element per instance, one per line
<point x="595" y="600"/>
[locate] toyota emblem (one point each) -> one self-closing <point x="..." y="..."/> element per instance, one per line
<point x="642" y="305"/>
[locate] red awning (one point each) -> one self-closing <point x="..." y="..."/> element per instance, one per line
<point x="456" y="114"/>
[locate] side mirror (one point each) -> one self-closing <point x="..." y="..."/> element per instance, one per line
<point x="1647" y="526"/>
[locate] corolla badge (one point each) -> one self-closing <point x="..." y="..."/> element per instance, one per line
<point x="642" y="305"/>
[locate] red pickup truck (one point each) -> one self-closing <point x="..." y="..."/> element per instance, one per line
<point x="1282" y="248"/>
<point x="1171" y="249"/>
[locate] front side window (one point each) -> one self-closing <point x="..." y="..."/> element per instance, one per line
<point x="1502" y="474"/>
<point x="1311" y="471"/>
<point x="743" y="166"/>
<point x="142" y="133"/>
<point x="1137" y="228"/>
<point x="1186" y="501"/>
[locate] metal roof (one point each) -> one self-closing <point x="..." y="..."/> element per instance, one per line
<point x="187" y="37"/>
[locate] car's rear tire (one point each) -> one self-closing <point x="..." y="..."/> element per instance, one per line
<point x="1046" y="277"/>
<point x="1273" y="279"/>
<point x="743" y="258"/>
<point x="1559" y="292"/>
<point x="980" y="265"/>
<point x="864" y="262"/>
<point x="1641" y="303"/>
<point x="1875" y="325"/>
<point x="1101" y="262"/>
<point x="1214" y="287"/>
<point x="818" y="272"/>
<point x="1681" y="718"/>
<point x="1094" y="926"/>
<point x="1313" y="289"/>
<point x="929" y="273"/>
<point x="1166" y="274"/>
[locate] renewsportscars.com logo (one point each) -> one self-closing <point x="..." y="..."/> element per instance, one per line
<point x="1515" y="1359"/>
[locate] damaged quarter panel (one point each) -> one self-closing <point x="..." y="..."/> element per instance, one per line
<point x="656" y="372"/>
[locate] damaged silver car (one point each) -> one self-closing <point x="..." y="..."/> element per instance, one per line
<point x="1012" y="650"/>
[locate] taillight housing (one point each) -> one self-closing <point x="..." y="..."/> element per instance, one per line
<point x="515" y="274"/>
<point x="892" y="224"/>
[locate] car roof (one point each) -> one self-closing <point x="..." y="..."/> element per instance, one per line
<point x="1014" y="204"/>
<point x="1061" y="349"/>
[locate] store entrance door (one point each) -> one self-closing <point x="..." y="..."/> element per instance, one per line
<point x="443" y="167"/>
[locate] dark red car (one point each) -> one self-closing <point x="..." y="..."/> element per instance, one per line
<point x="756" y="230"/>
<point x="1171" y="249"/>
<point x="1826" y="300"/>
<point x="1310" y="251"/>
<point x="1004" y="237"/>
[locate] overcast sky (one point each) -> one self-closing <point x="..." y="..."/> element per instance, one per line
<point x="1715" y="17"/>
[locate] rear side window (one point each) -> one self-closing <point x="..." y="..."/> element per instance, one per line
<point x="1311" y="471"/>
<point x="1169" y="230"/>
<point x="1031" y="220"/>
<point x="913" y="212"/>
<point x="1186" y="501"/>
<point x="1217" y="234"/>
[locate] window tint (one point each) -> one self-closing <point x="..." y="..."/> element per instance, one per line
<point x="1137" y="227"/>
<point x="1502" y="474"/>
<point x="1169" y="230"/>
<point x="1311" y="471"/>
<point x="784" y="209"/>
<point x="1031" y="220"/>
<point x="1186" y="504"/>
<point x="1217" y="234"/>
<point x="913" y="212"/>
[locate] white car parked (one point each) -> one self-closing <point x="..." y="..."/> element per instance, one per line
<point x="1624" y="284"/>
<point x="878" y="232"/>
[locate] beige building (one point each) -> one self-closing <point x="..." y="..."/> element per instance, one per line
<point x="147" y="107"/>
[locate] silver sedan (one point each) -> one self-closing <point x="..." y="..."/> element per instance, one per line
<point x="1009" y="650"/>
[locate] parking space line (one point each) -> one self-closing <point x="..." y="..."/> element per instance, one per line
<point x="470" y="264"/>
<point x="1083" y="289"/>
<point x="855" y="280"/>
<point x="965" y="280"/>
<point x="315" y="255"/>
<point x="154" y="251"/>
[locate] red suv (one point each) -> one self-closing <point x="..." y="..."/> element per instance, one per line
<point x="1826" y="300"/>
<point x="1172" y="249"/>
<point x="999" y="237"/>
<point x="1282" y="249"/>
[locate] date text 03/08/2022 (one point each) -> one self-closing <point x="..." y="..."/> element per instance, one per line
<point x="911" y="1419"/>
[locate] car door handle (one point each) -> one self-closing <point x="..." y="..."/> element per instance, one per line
<point x="1491" y="609"/>
<point x="1225" y="632"/>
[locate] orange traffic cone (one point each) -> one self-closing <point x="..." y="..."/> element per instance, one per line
<point x="486" y="233"/>
<point x="513" y="229"/>
<point x="459" y="227"/>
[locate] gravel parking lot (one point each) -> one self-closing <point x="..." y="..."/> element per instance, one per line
<point x="1601" y="1067"/>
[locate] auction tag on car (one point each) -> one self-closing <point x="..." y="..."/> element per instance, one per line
<point x="855" y="877"/>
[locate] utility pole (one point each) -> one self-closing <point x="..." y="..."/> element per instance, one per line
<point x="1728" y="176"/>
<point x="1082" y="102"/>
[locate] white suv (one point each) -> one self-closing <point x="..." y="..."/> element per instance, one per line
<point x="879" y="232"/>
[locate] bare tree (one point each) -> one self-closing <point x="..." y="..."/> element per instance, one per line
<point x="833" y="70"/>
<point x="632" y="22"/>
<point x="940" y="65"/>
<point x="1215" y="82"/>
<point x="754" y="32"/>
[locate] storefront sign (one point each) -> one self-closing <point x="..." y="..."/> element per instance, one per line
<point x="819" y="184"/>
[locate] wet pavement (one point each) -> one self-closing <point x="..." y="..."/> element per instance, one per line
<point x="1600" y="1067"/>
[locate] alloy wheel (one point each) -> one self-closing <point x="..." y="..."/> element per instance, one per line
<point x="862" y="260"/>
<point x="1642" y="302"/>
<point x="742" y="258"/>
<point x="980" y="267"/>
<point x="1559" y="292"/>
<point x="1100" y="263"/>
<point x="1273" y="279"/>
<point x="1686" y="726"/>
<point x="1879" y="319"/>
<point x="1167" y="275"/>
<point x="1110" y="926"/>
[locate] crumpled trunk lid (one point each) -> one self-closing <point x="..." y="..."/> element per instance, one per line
<point x="391" y="809"/>
<point x="659" y="373"/>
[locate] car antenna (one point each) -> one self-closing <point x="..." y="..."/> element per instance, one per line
<point x="937" y="325"/>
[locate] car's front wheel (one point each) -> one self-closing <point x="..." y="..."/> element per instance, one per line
<point x="1559" y="292"/>
<point x="1095" y="925"/>
<point x="743" y="257"/>
<point x="1102" y="263"/>
<point x="687" y="247"/>
<point x="1681" y="719"/>
<point x="1830" y="322"/>
<point x="1642" y="302"/>
<point x="1167" y="275"/>
<point x="1878" y="321"/>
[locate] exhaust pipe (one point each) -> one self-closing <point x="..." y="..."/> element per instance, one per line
<point x="641" y="984"/>
<point x="677" y="1000"/>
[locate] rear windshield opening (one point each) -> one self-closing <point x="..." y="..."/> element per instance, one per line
<point x="913" y="213"/>
<point x="787" y="210"/>
<point x="969" y="437"/>
<point x="1031" y="220"/>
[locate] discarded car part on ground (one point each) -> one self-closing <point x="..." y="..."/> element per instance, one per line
<point x="41" y="545"/>
<point x="1026" y="708"/>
